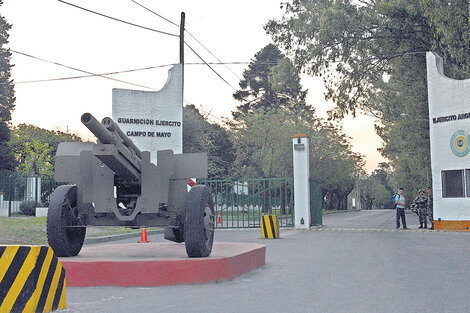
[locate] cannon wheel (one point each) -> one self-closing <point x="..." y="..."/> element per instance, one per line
<point x="62" y="213"/>
<point x="199" y="222"/>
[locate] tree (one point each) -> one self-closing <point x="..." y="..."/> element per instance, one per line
<point x="352" y="44"/>
<point x="373" y="193"/>
<point x="451" y="23"/>
<point x="262" y="140"/>
<point x="270" y="81"/>
<point x="273" y="109"/>
<point x="371" y="56"/>
<point x="383" y="174"/>
<point x="201" y="136"/>
<point x="7" y="97"/>
<point x="37" y="159"/>
<point x="405" y="126"/>
<point x="34" y="148"/>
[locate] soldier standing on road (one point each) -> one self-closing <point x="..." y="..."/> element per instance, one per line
<point x="429" y="207"/>
<point x="400" y="205"/>
<point x="421" y="204"/>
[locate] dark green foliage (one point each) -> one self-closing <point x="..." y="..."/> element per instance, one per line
<point x="27" y="133"/>
<point x="371" y="55"/>
<point x="273" y="109"/>
<point x="201" y="136"/>
<point x="405" y="126"/>
<point x="7" y="160"/>
<point x="450" y="21"/>
<point x="7" y="97"/>
<point x="34" y="148"/>
<point x="351" y="45"/>
<point x="376" y="192"/>
<point x="28" y="208"/>
<point x="271" y="81"/>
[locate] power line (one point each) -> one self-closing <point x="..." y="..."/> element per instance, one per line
<point x="151" y="29"/>
<point x="79" y="70"/>
<point x="196" y="52"/>
<point x="216" y="73"/>
<point x="200" y="43"/>
<point x="95" y="75"/>
<point x="158" y="31"/>
<point x="160" y="16"/>
<point x="118" y="20"/>
<point x="213" y="54"/>
<point x="132" y="70"/>
<point x="199" y="107"/>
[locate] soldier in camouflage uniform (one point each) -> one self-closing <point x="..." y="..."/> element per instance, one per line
<point x="421" y="202"/>
<point x="429" y="207"/>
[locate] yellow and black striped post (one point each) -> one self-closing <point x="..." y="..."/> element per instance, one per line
<point x="32" y="279"/>
<point x="269" y="227"/>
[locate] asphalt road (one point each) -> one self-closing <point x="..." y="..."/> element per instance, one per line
<point x="369" y="219"/>
<point x="350" y="266"/>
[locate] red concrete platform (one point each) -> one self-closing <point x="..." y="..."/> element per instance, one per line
<point x="159" y="264"/>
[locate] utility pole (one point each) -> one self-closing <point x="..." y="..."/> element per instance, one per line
<point x="182" y="38"/>
<point x="182" y="54"/>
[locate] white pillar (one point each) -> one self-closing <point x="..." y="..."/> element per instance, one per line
<point x="301" y="181"/>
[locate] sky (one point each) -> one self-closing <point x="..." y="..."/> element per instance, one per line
<point x="57" y="32"/>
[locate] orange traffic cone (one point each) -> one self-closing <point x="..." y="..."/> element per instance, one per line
<point x="143" y="236"/>
<point x="219" y="220"/>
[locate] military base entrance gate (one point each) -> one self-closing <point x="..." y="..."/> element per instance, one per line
<point x="241" y="203"/>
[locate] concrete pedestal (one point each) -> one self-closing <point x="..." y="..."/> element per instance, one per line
<point x="159" y="264"/>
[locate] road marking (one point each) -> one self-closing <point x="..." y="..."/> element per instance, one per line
<point x="336" y="229"/>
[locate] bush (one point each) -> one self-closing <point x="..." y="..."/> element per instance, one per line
<point x="28" y="208"/>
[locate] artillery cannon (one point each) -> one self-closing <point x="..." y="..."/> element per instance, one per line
<point x="113" y="183"/>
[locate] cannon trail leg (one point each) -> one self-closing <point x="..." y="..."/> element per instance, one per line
<point x="63" y="238"/>
<point x="199" y="222"/>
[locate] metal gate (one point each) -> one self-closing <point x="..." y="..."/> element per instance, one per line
<point x="240" y="204"/>
<point x="14" y="191"/>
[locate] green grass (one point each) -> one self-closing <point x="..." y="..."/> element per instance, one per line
<point x="32" y="230"/>
<point x="23" y="230"/>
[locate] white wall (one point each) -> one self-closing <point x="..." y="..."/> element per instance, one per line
<point x="163" y="105"/>
<point x="15" y="206"/>
<point x="447" y="99"/>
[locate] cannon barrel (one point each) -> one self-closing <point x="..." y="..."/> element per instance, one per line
<point x="101" y="132"/>
<point x="115" y="149"/>
<point x="113" y="127"/>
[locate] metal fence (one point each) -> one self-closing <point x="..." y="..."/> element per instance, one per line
<point x="316" y="203"/>
<point x="16" y="188"/>
<point x="240" y="204"/>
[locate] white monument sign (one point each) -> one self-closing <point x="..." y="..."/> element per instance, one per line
<point x="153" y="120"/>
<point x="449" y="126"/>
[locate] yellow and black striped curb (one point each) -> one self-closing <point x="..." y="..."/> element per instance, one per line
<point x="32" y="279"/>
<point x="269" y="227"/>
